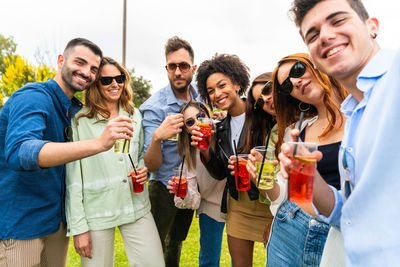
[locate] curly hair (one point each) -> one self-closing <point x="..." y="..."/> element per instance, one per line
<point x="229" y="65"/>
<point x="258" y="122"/>
<point x="94" y="99"/>
<point x="286" y="107"/>
<point x="184" y="140"/>
<point x="300" y="8"/>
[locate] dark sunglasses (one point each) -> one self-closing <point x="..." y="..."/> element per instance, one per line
<point x="265" y="91"/>
<point x="183" y="66"/>
<point x="298" y="69"/>
<point x="107" y="80"/>
<point x="68" y="134"/>
<point x="191" y="121"/>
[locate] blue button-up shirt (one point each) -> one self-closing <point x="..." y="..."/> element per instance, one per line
<point x="369" y="218"/>
<point x="154" y="111"/>
<point x="31" y="198"/>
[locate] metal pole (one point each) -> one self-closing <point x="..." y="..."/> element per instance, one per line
<point x="124" y="36"/>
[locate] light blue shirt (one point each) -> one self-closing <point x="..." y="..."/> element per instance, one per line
<point x="369" y="219"/>
<point x="154" y="111"/>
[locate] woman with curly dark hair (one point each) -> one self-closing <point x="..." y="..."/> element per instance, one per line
<point x="222" y="81"/>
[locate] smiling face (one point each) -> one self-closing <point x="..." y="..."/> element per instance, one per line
<point x="180" y="80"/>
<point x="190" y="115"/>
<point x="78" y="68"/>
<point x="305" y="88"/>
<point x="222" y="92"/>
<point x="268" y="100"/>
<point x="340" y="43"/>
<point x="112" y="92"/>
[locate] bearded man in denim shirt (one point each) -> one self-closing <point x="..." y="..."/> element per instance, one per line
<point x="161" y="154"/>
<point x="34" y="125"/>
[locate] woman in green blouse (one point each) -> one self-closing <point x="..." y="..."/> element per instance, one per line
<point x="99" y="193"/>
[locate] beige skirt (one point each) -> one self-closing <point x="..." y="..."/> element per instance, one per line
<point x="247" y="219"/>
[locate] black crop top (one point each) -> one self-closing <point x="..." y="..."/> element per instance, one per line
<point x="328" y="166"/>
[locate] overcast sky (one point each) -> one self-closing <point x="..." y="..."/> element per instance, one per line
<point x="258" y="31"/>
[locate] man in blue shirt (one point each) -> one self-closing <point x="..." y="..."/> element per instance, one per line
<point x="341" y="38"/>
<point x="34" y="125"/>
<point x="161" y="154"/>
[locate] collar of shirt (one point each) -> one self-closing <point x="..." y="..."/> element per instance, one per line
<point x="375" y="68"/>
<point x="171" y="99"/>
<point x="105" y="120"/>
<point x="72" y="106"/>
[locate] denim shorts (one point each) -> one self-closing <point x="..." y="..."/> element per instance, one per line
<point x="297" y="238"/>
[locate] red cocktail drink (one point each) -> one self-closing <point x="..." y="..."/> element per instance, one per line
<point x="137" y="187"/>
<point x="302" y="179"/>
<point x="180" y="190"/>
<point x="205" y="129"/>
<point x="242" y="177"/>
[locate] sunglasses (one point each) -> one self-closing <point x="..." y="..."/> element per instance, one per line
<point x="183" y="66"/>
<point x="191" y="121"/>
<point x="265" y="91"/>
<point x="107" y="80"/>
<point x="298" y="69"/>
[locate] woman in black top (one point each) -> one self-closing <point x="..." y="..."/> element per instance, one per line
<point x="222" y="81"/>
<point x="297" y="234"/>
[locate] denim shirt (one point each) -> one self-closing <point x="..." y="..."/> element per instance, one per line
<point x="369" y="217"/>
<point x="154" y="111"/>
<point x="32" y="198"/>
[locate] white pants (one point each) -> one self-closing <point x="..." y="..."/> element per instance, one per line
<point x="141" y="240"/>
<point x="334" y="254"/>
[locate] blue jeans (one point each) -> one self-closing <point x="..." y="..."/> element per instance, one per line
<point x="297" y="239"/>
<point x="210" y="241"/>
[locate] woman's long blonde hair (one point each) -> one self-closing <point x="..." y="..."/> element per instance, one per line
<point x="94" y="100"/>
<point x="184" y="140"/>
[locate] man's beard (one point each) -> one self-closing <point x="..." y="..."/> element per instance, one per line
<point x="181" y="89"/>
<point x="67" y="77"/>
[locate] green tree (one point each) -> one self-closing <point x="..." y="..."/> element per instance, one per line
<point x="19" y="71"/>
<point x="7" y="49"/>
<point x="141" y="88"/>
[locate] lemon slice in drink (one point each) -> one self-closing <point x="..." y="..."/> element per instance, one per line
<point x="306" y="159"/>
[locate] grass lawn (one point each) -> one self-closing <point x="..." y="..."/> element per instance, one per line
<point x="189" y="256"/>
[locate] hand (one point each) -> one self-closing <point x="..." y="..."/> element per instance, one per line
<point x="169" y="127"/>
<point x="141" y="176"/>
<point x="218" y="115"/>
<point x="117" y="128"/>
<point x="171" y="185"/>
<point x="196" y="137"/>
<point x="287" y="152"/>
<point x="251" y="164"/>
<point x="232" y="164"/>
<point x="83" y="245"/>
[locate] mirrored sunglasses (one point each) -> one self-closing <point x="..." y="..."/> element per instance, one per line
<point x="183" y="66"/>
<point x="107" y="80"/>
<point x="296" y="71"/>
<point x="191" y="121"/>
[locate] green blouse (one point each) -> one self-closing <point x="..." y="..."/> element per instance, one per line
<point x="99" y="194"/>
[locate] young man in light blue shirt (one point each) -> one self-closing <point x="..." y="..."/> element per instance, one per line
<point x="161" y="154"/>
<point x="341" y="38"/>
